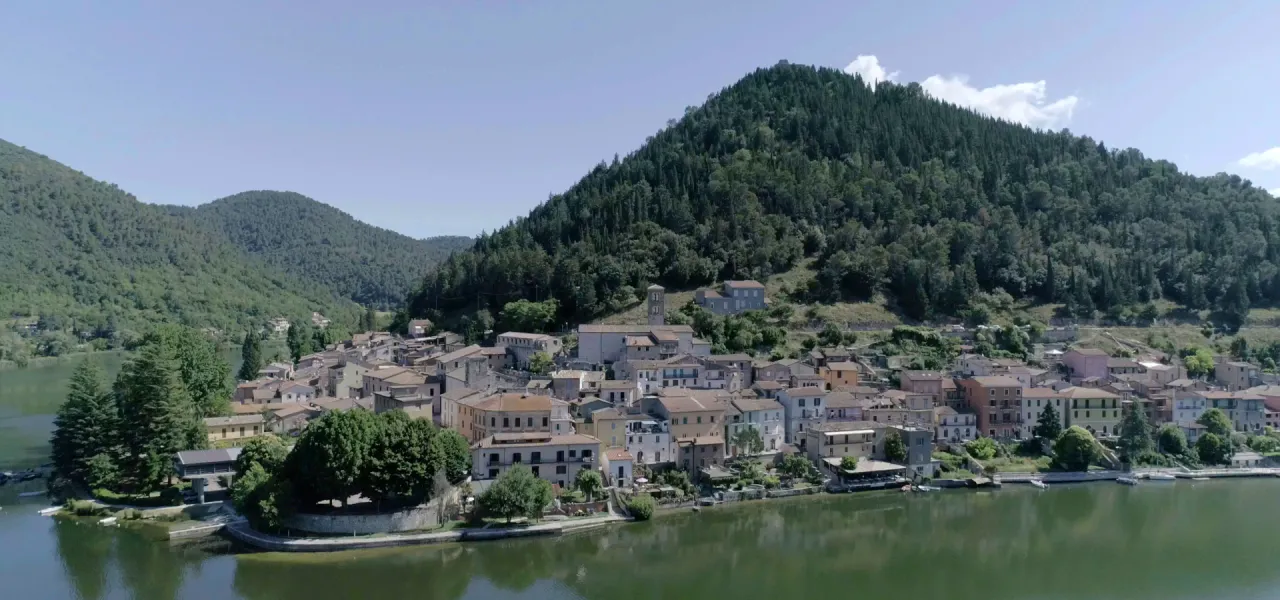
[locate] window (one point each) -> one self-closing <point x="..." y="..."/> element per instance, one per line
<point x="544" y="422"/>
<point x="561" y="470"/>
<point x="817" y="401"/>
<point x="559" y="455"/>
<point x="493" y="422"/>
<point x="713" y="418"/>
<point x="802" y="402"/>
<point x="684" y="420"/>
<point x="536" y="471"/>
<point x="573" y="454"/>
<point x="613" y="425"/>
<point x="535" y="457"/>
<point x="493" y="473"/>
<point x="586" y="454"/>
<point x="529" y="421"/>
<point x="515" y="458"/>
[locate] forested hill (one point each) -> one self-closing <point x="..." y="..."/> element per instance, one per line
<point x="891" y="191"/>
<point x="315" y="241"/>
<point x="91" y="261"/>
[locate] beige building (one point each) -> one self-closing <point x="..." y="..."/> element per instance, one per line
<point x="838" y="374"/>
<point x="235" y="428"/>
<point x="556" y="459"/>
<point x="841" y="439"/>
<point x="514" y="413"/>
<point x="1235" y="375"/>
<point x="924" y="382"/>
<point x="1094" y="409"/>
<point x="1034" y="401"/>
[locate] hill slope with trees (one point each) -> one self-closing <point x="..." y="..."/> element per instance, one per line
<point x="91" y="262"/>
<point x="891" y="192"/>
<point x="314" y="241"/>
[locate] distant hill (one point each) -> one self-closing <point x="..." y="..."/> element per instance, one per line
<point x="317" y="242"/>
<point x="90" y="259"/>
<point x="889" y="192"/>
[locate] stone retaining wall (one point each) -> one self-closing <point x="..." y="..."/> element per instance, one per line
<point x="793" y="492"/>
<point x="414" y="519"/>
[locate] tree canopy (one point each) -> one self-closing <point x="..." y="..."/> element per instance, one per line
<point x="890" y="191"/>
<point x="1076" y="449"/>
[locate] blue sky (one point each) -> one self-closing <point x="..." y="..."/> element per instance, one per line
<point x="452" y="117"/>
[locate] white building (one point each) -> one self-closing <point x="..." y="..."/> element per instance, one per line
<point x="954" y="426"/>
<point x="297" y="393"/>
<point x="762" y="414"/>
<point x="617" y="465"/>
<point x="802" y="408"/>
<point x="1034" y="401"/>
<point x="1187" y="409"/>
<point x="605" y="344"/>
<point x="649" y="440"/>
<point x="522" y="346"/>
<point x="556" y="459"/>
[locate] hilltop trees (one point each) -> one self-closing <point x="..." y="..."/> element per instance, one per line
<point x="889" y="192"/>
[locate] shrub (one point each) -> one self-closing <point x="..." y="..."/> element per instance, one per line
<point x="771" y="482"/>
<point x="982" y="448"/>
<point x="171" y="496"/>
<point x="641" y="507"/>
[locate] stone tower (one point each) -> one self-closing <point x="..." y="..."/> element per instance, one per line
<point x="657" y="305"/>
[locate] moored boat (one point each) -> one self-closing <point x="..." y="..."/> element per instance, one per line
<point x="1160" y="477"/>
<point x="1127" y="480"/>
<point x="1039" y="484"/>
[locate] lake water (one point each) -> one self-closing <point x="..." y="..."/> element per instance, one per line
<point x="1193" y="540"/>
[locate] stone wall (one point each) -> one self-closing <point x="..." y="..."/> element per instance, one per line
<point x="419" y="518"/>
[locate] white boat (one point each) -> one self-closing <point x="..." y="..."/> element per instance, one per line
<point x="1199" y="479"/>
<point x="1127" y="480"/>
<point x="1160" y="477"/>
<point x="1039" y="484"/>
<point x="44" y="512"/>
<point x="926" y="488"/>
<point x="108" y="521"/>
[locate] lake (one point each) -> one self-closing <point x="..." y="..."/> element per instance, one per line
<point x="1212" y="539"/>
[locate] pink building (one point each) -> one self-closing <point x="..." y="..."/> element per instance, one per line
<point x="1083" y="363"/>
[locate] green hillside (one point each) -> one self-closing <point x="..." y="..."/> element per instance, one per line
<point x="91" y="261"/>
<point x="891" y="194"/>
<point x="314" y="241"/>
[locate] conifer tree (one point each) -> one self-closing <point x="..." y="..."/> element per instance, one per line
<point x="85" y="425"/>
<point x="251" y="354"/>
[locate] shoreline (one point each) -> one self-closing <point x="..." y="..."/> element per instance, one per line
<point x="241" y="532"/>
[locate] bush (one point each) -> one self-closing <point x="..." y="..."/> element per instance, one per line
<point x="171" y="496"/>
<point x="771" y="482"/>
<point x="982" y="448"/>
<point x="641" y="507"/>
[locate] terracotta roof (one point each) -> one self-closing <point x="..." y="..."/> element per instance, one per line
<point x="523" y="440"/>
<point x="729" y="358"/>
<point x="843" y="366"/>
<point x="618" y="454"/>
<point x="1040" y="392"/>
<point x="1083" y="393"/>
<point x="460" y="353"/>
<point x="678" y="400"/>
<point x="1089" y="351"/>
<point x="767" y="385"/>
<point x="834" y="426"/>
<point x="513" y="402"/>
<point x="846" y="400"/>
<point x="590" y="328"/>
<point x="289" y="410"/>
<point x="252" y="419"/>
<point x="754" y="404"/>
<point x="996" y="381"/>
<point x="744" y="283"/>
<point x="617" y="384"/>
<point x="921" y="375"/>
<point x="638" y="341"/>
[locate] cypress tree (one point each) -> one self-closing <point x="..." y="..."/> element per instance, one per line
<point x="251" y="353"/>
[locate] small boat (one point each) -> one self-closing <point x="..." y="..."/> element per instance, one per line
<point x="1039" y="484"/>
<point x="1160" y="477"/>
<point x="927" y="488"/>
<point x="32" y="494"/>
<point x="108" y="521"/>
<point x="906" y="488"/>
<point x="1199" y="479"/>
<point x="1127" y="480"/>
<point x="44" y="512"/>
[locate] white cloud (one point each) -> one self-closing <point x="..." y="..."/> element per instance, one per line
<point x="870" y="70"/>
<point x="1266" y="160"/>
<point x="1026" y="103"/>
<point x="1275" y="192"/>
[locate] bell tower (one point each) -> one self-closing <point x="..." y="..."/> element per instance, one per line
<point x="657" y="305"/>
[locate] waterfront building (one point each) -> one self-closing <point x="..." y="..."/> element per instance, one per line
<point x="555" y="458"/>
<point x="997" y="400"/>
<point x="1094" y="409"/>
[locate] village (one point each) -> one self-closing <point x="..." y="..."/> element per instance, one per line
<point x="637" y="403"/>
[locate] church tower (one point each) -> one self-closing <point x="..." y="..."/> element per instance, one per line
<point x="657" y="305"/>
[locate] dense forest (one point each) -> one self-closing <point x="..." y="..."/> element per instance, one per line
<point x="314" y="241"/>
<point x="81" y="260"/>
<point x="891" y="192"/>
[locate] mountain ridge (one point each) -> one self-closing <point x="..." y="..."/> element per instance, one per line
<point x="890" y="192"/>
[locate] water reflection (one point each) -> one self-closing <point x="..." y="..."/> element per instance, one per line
<point x="1100" y="541"/>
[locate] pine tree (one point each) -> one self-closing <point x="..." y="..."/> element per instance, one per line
<point x="157" y="417"/>
<point x="85" y="425"/>
<point x="1048" y="426"/>
<point x="370" y="320"/>
<point x="251" y="353"/>
<point x="298" y="341"/>
<point x="1135" y="434"/>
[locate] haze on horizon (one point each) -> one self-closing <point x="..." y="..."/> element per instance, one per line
<point x="434" y="120"/>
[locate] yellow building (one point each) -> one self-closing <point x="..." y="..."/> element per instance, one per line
<point x="514" y="413"/>
<point x="610" y="427"/>
<point x="234" y="428"/>
<point x="840" y="374"/>
<point x="1093" y="409"/>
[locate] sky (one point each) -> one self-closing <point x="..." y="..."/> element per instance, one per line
<point x="452" y="117"/>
